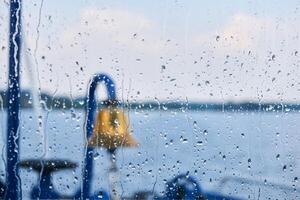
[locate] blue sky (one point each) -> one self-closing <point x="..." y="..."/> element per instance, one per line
<point x="211" y="50"/>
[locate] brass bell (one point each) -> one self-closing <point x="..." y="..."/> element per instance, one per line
<point x="111" y="129"/>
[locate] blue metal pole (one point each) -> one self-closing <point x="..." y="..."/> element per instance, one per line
<point x="90" y="112"/>
<point x="13" y="183"/>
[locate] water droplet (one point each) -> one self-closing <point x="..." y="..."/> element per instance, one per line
<point x="284" y="167"/>
<point x="273" y="57"/>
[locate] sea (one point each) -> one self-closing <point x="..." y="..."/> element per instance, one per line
<point x="251" y="155"/>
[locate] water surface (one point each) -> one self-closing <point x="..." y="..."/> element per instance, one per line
<point x="207" y="145"/>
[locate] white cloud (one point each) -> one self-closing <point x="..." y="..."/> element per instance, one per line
<point x="241" y="32"/>
<point x="112" y="27"/>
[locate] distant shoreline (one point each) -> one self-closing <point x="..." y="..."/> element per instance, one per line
<point x="63" y="102"/>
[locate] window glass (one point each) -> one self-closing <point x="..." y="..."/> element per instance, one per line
<point x="207" y="90"/>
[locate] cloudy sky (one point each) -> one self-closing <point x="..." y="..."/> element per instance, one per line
<point x="216" y="50"/>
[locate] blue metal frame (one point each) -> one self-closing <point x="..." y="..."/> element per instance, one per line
<point x="13" y="182"/>
<point x="90" y="112"/>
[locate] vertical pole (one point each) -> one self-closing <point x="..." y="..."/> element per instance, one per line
<point x="13" y="183"/>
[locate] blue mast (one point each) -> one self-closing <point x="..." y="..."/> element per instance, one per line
<point x="13" y="183"/>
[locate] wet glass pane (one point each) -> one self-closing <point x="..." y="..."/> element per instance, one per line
<point x="150" y="99"/>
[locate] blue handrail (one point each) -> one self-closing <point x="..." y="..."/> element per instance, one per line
<point x="90" y="112"/>
<point x="13" y="183"/>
